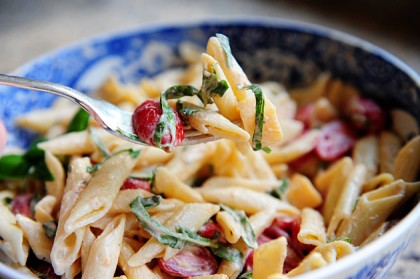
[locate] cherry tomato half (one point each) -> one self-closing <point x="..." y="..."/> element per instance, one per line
<point x="365" y="115"/>
<point x="146" y="118"/>
<point x="21" y="204"/>
<point x="190" y="261"/>
<point x="136" y="183"/>
<point x="336" y="140"/>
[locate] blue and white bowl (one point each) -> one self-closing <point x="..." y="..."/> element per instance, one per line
<point x="268" y="49"/>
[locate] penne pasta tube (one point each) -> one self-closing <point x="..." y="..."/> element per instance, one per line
<point x="379" y="203"/>
<point x="295" y="149"/>
<point x="269" y="258"/>
<point x="12" y="242"/>
<point x="302" y="193"/>
<point x="247" y="200"/>
<point x="312" y="228"/>
<point x="231" y="229"/>
<point x="347" y="199"/>
<point x="105" y="251"/>
<point x="55" y="188"/>
<point x="338" y="180"/>
<point x="388" y="146"/>
<point x="365" y="151"/>
<point x="75" y="143"/>
<point x="191" y="216"/>
<point x="260" y="185"/>
<point x="227" y="104"/>
<point x="172" y="187"/>
<point x="407" y="162"/>
<point x="96" y="199"/>
<point x="33" y="231"/>
<point x="66" y="246"/>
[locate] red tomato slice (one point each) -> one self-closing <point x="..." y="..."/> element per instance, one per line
<point x="336" y="140"/>
<point x="365" y="114"/>
<point x="3" y="136"/>
<point x="136" y="183"/>
<point x="146" y="118"/>
<point x="212" y="230"/>
<point x="21" y="204"/>
<point x="306" y="115"/>
<point x="190" y="261"/>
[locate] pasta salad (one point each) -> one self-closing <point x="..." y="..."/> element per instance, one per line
<point x="299" y="179"/>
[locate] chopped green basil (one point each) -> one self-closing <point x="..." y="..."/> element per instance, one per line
<point x="79" y="122"/>
<point x="247" y="233"/>
<point x="211" y="87"/>
<point x="224" y="41"/>
<point x="166" y="124"/>
<point x="259" y="117"/>
<point x="50" y="228"/>
<point x="99" y="143"/>
<point x="185" y="110"/>
<point x="7" y="200"/>
<point x="346" y="239"/>
<point x="247" y="275"/>
<point x="279" y="191"/>
<point x="151" y="202"/>
<point x="94" y="168"/>
<point x="128" y="135"/>
<point x="30" y="164"/>
<point x="228" y="253"/>
<point x="162" y="234"/>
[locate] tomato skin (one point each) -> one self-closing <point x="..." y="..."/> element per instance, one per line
<point x="213" y="230"/>
<point x="3" y="136"/>
<point x="306" y="115"/>
<point x="365" y="115"/>
<point x="136" y="183"/>
<point x="146" y="118"/>
<point x="21" y="204"/>
<point x="190" y="261"/>
<point x="336" y="140"/>
<point x="287" y="227"/>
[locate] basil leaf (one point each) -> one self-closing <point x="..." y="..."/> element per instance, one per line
<point x="13" y="167"/>
<point x="178" y="91"/>
<point x="79" y="122"/>
<point x="259" y="117"/>
<point x="30" y="164"/>
<point x="228" y="253"/>
<point x="185" y="110"/>
<point x="247" y="275"/>
<point x="346" y="239"/>
<point x="162" y="234"/>
<point x="194" y="238"/>
<point x="151" y="202"/>
<point x="279" y="191"/>
<point x="133" y="154"/>
<point x="7" y="201"/>
<point x="210" y="87"/>
<point x="247" y="233"/>
<point x="50" y="228"/>
<point x="224" y="42"/>
<point x="166" y="124"/>
<point x="99" y="143"/>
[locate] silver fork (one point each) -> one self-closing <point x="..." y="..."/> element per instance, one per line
<point x="110" y="117"/>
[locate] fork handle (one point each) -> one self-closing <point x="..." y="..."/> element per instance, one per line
<point x="45" y="86"/>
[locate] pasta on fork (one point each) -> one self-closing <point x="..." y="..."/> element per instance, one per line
<point x="298" y="179"/>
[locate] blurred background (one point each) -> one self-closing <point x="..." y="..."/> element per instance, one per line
<point x="31" y="28"/>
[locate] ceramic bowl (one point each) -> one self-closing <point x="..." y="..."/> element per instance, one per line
<point x="291" y="52"/>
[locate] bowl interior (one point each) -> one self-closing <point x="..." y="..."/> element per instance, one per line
<point x="291" y="53"/>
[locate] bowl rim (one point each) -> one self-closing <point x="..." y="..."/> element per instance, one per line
<point x="410" y="221"/>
